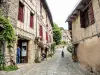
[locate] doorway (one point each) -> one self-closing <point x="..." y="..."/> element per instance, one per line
<point x="23" y="45"/>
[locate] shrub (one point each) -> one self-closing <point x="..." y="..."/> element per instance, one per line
<point x="70" y="48"/>
<point x="2" y="62"/>
<point x="63" y="42"/>
<point x="53" y="47"/>
<point x="10" y="68"/>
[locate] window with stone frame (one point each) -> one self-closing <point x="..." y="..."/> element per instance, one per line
<point x="87" y="16"/>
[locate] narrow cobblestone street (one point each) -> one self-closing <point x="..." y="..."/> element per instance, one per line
<point x="56" y="66"/>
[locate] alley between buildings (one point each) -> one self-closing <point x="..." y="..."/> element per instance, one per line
<point x="57" y="66"/>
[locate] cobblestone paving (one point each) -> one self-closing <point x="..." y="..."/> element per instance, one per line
<point x="56" y="66"/>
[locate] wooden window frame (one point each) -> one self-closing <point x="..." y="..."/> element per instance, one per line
<point x="87" y="16"/>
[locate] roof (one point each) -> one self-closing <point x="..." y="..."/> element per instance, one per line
<point x="80" y="5"/>
<point x="46" y="7"/>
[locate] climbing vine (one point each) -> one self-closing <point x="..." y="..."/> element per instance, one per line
<point x="7" y="36"/>
<point x="8" y="33"/>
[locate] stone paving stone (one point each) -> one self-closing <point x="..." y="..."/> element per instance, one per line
<point x="53" y="66"/>
<point x="57" y="66"/>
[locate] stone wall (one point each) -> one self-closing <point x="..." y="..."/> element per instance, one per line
<point x="89" y="54"/>
<point x="88" y="50"/>
<point x="23" y="30"/>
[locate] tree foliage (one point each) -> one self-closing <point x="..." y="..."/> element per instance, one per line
<point x="61" y="28"/>
<point x="56" y="34"/>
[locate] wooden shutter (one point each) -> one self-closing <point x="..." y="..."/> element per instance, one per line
<point x="47" y="36"/>
<point x="20" y="12"/>
<point x="91" y="14"/>
<point x="31" y="20"/>
<point x="82" y="19"/>
<point x="41" y="31"/>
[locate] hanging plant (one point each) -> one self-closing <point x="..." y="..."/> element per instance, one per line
<point x="36" y="40"/>
<point x="40" y="44"/>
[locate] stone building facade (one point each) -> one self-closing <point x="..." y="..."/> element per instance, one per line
<point x="66" y="36"/>
<point x="84" y="25"/>
<point x="30" y="19"/>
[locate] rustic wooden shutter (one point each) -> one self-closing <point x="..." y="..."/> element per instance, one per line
<point x="47" y="36"/>
<point x="21" y="16"/>
<point x="91" y="14"/>
<point x="31" y="20"/>
<point x="20" y="12"/>
<point x="82" y="19"/>
<point x="41" y="31"/>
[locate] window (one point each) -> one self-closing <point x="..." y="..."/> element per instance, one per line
<point x="41" y="31"/>
<point x="70" y="25"/>
<point x="31" y="20"/>
<point x="21" y="12"/>
<point x="84" y="18"/>
<point x="87" y="16"/>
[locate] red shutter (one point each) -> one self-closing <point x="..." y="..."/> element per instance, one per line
<point x="41" y="31"/>
<point x="20" y="12"/>
<point x="47" y="36"/>
<point x="31" y="20"/>
<point x="47" y="25"/>
<point x="50" y="38"/>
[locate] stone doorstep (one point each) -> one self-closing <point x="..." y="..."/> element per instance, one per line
<point x="23" y="68"/>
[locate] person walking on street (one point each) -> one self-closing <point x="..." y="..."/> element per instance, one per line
<point x="62" y="53"/>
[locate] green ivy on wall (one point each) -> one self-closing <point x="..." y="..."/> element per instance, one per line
<point x="6" y="36"/>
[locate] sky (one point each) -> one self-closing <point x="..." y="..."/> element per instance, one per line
<point x="60" y="10"/>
